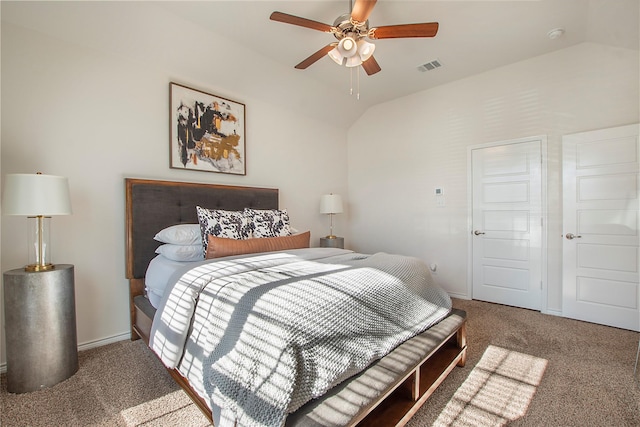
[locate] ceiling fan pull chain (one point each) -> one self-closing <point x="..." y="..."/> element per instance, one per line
<point x="350" y="81"/>
<point x="357" y="70"/>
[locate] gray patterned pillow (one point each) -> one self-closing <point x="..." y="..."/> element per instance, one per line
<point x="221" y="223"/>
<point x="268" y="222"/>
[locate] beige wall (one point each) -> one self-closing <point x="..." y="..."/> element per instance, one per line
<point x="399" y="152"/>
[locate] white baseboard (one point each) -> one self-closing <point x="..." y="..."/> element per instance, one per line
<point x="104" y="341"/>
<point x="88" y="345"/>
<point x="553" y="312"/>
<point x="459" y="296"/>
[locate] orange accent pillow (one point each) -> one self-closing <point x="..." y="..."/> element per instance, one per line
<point x="221" y="246"/>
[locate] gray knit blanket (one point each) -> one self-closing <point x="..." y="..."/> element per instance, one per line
<point x="269" y="332"/>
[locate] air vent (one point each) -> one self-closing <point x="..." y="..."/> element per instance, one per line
<point x="430" y="65"/>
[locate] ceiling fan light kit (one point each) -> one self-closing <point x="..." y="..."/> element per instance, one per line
<point x="351" y="29"/>
<point x="351" y="53"/>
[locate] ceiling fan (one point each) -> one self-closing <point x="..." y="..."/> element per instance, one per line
<point x="351" y="29"/>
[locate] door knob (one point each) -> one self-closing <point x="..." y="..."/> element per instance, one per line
<point x="571" y="236"/>
<point x="478" y="232"/>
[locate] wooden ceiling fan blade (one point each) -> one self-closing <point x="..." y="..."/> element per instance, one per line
<point x="428" y="29"/>
<point x="315" y="57"/>
<point x="362" y="9"/>
<point x="371" y="66"/>
<point x="301" y="22"/>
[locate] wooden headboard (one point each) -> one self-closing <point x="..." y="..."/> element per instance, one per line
<point x="152" y="205"/>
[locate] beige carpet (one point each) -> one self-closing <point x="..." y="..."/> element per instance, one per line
<point x="523" y="369"/>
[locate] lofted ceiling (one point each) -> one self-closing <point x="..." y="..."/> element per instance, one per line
<point x="474" y="36"/>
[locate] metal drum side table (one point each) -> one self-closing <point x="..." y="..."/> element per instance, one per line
<point x="336" y="242"/>
<point x="40" y="322"/>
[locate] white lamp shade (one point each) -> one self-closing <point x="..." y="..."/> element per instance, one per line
<point x="365" y="49"/>
<point x="347" y="47"/>
<point x="35" y="194"/>
<point x="354" y="61"/>
<point x="331" y="204"/>
<point x="336" y="56"/>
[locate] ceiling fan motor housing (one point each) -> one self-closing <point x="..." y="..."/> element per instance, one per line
<point x="347" y="27"/>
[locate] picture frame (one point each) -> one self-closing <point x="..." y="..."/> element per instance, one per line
<point x="207" y="132"/>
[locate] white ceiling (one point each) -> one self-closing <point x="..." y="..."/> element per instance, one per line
<point x="474" y="36"/>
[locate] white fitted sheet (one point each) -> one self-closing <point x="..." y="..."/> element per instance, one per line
<point x="159" y="274"/>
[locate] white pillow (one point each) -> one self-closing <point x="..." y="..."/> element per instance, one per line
<point x="181" y="234"/>
<point x="181" y="252"/>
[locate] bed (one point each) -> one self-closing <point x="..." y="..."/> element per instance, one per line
<point x="387" y="391"/>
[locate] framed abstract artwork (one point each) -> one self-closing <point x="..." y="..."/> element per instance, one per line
<point x="207" y="132"/>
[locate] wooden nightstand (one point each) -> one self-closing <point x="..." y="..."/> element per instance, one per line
<point x="40" y="321"/>
<point x="337" y="242"/>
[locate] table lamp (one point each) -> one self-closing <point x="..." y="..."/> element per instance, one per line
<point x="331" y="204"/>
<point x="37" y="197"/>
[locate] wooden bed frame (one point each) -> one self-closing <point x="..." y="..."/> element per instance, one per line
<point x="152" y="205"/>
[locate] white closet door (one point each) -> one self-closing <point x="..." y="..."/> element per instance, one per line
<point x="600" y="221"/>
<point x="507" y="224"/>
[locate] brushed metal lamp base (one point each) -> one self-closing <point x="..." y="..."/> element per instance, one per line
<point x="39" y="267"/>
